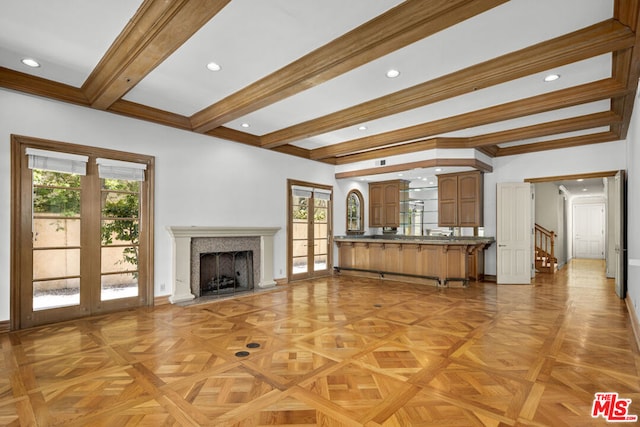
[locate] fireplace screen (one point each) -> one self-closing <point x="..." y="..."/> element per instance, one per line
<point x="226" y="272"/>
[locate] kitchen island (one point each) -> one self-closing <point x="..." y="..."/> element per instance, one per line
<point x="425" y="259"/>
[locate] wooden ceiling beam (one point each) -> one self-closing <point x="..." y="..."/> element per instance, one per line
<point x="430" y="163"/>
<point x="157" y="29"/>
<point x="626" y="64"/>
<point x="411" y="147"/>
<point x="575" y="141"/>
<point x="489" y="150"/>
<point x="235" y="135"/>
<point x="296" y="151"/>
<point x="589" y="92"/>
<point x="588" y="121"/>
<point x="35" y="85"/>
<point x="590" y="175"/>
<point x="407" y="23"/>
<point x="573" y="124"/>
<point x="150" y="114"/>
<point x="607" y="36"/>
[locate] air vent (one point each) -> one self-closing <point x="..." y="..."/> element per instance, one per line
<point x="381" y="162"/>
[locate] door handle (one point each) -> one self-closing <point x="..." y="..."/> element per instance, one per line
<point x="502" y="246"/>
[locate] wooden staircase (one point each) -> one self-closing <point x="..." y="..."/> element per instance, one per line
<point x="546" y="262"/>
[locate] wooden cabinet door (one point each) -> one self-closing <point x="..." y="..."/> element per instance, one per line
<point x="391" y="216"/>
<point x="447" y="201"/>
<point x="470" y="199"/>
<point x="376" y="209"/>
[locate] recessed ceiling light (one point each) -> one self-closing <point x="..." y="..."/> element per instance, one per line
<point x="212" y="66"/>
<point x="245" y="125"/>
<point x="551" y="77"/>
<point x="393" y="73"/>
<point x="400" y="174"/>
<point x="30" y="62"/>
<point x="362" y="128"/>
<point x="438" y="169"/>
<point x="580" y="179"/>
<point x="584" y="189"/>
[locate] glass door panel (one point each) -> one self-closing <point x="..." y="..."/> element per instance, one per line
<point x="300" y="234"/>
<point x="48" y="294"/>
<point x="320" y="234"/>
<point x="55" y="239"/>
<point x="120" y="227"/>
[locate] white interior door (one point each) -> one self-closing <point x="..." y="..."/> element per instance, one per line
<point x="513" y="233"/>
<point x="588" y="236"/>
<point x="618" y="234"/>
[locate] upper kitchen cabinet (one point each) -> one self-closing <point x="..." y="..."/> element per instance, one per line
<point x="385" y="202"/>
<point x="460" y="197"/>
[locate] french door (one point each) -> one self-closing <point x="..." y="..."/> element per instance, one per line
<point x="82" y="228"/>
<point x="309" y="230"/>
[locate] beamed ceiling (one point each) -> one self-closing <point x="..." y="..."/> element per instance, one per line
<point x="302" y="77"/>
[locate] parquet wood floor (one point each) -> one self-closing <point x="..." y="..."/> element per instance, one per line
<point x="339" y="351"/>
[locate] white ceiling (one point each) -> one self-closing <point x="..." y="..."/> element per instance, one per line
<point x="252" y="39"/>
<point x="589" y="187"/>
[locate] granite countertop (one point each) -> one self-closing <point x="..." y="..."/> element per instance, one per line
<point x="423" y="240"/>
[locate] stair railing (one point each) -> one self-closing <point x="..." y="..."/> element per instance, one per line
<point x="545" y="246"/>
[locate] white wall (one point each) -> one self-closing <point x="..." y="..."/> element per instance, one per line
<point x="200" y="180"/>
<point x="566" y="161"/>
<point x="633" y="209"/>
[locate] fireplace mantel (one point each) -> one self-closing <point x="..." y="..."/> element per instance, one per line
<point x="181" y="237"/>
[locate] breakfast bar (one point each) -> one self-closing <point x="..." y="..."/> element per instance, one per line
<point x="429" y="259"/>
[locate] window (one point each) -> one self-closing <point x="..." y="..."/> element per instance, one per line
<point x="355" y="213"/>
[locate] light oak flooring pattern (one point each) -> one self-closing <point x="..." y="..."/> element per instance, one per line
<point x="339" y="351"/>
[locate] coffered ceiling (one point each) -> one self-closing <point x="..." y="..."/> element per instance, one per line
<point x="308" y="78"/>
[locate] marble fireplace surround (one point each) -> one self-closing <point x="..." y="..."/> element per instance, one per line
<point x="182" y="236"/>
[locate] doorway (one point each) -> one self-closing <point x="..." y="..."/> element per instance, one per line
<point x="81" y="231"/>
<point x="310" y="225"/>
<point x="595" y="230"/>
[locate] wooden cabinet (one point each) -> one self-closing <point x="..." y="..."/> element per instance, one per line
<point x="476" y="264"/>
<point x="385" y="202"/>
<point x="460" y="198"/>
<point x="415" y="259"/>
<point x="375" y="204"/>
<point x="447" y="201"/>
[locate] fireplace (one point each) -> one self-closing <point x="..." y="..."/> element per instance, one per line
<point x="223" y="273"/>
<point x="219" y="260"/>
<point x="252" y="249"/>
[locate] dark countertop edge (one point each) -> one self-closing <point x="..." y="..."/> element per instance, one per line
<point x="417" y="240"/>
